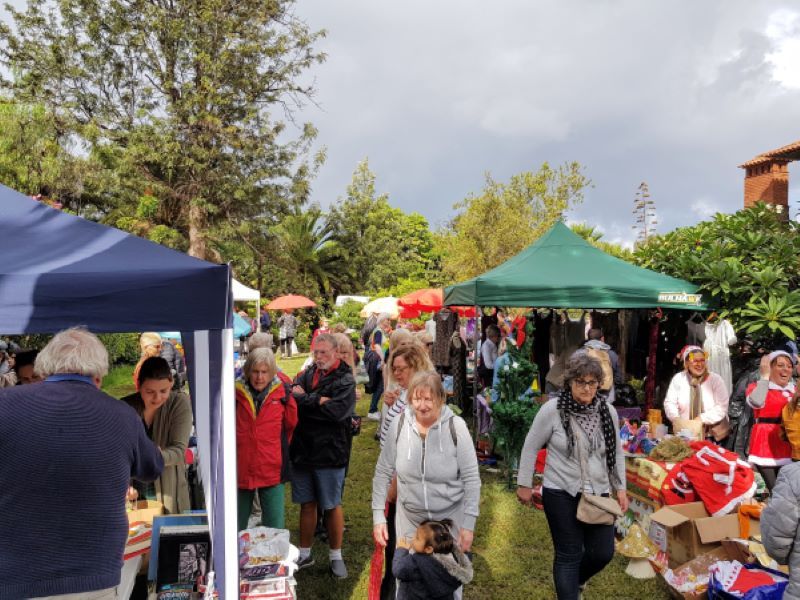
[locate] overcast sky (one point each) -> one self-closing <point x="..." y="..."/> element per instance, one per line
<point x="676" y="93"/>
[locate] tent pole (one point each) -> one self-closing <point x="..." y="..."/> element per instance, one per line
<point x="475" y="338"/>
<point x="650" y="386"/>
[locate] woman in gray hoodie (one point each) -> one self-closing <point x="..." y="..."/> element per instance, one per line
<point x="432" y="453"/>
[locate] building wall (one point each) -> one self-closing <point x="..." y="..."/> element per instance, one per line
<point x="768" y="182"/>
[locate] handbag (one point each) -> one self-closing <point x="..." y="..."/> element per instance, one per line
<point x="719" y="431"/>
<point x="594" y="509"/>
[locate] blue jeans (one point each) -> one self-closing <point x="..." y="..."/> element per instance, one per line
<point x="581" y="551"/>
<point x="376" y="396"/>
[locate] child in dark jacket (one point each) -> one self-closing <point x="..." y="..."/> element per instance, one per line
<point x="435" y="569"/>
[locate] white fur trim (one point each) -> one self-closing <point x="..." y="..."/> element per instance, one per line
<point x="768" y="461"/>
<point x="735" y="501"/>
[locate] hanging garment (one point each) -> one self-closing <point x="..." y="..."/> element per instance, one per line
<point x="458" y="366"/>
<point x="695" y="332"/>
<point x="446" y="324"/>
<point x="719" y="337"/>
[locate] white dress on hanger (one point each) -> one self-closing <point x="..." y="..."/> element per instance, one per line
<point x="719" y="336"/>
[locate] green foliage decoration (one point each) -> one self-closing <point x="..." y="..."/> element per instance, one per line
<point x="515" y="409"/>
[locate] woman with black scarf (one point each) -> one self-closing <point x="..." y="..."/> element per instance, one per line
<point x="575" y="425"/>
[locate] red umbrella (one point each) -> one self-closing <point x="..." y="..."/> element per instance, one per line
<point x="431" y="300"/>
<point x="290" y="301"/>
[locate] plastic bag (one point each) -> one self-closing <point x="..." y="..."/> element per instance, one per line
<point x="262" y="545"/>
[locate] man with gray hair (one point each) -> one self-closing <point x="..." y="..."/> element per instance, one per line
<point x="326" y="396"/>
<point x="67" y="454"/>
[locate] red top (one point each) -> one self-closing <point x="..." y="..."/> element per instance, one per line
<point x="261" y="439"/>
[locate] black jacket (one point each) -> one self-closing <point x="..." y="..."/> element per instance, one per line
<point x="322" y="436"/>
<point x="430" y="576"/>
<point x="175" y="360"/>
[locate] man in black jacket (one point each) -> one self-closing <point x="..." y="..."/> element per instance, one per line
<point x="325" y="396"/>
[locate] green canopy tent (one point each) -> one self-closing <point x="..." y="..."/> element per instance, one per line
<point x="562" y="270"/>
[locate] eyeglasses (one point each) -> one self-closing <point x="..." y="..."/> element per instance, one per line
<point x="400" y="369"/>
<point x="582" y="383"/>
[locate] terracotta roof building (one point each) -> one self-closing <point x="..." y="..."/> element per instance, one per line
<point x="767" y="177"/>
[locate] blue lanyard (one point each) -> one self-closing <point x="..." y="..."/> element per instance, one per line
<point x="70" y="377"/>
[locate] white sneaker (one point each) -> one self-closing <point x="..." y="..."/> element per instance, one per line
<point x="376" y="416"/>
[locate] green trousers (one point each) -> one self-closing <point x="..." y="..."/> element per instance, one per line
<point x="272" y="506"/>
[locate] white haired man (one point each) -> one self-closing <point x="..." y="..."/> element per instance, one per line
<point x="67" y="454"/>
<point x="320" y="451"/>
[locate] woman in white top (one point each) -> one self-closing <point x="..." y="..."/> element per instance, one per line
<point x="694" y="393"/>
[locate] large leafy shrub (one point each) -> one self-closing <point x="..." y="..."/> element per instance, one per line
<point x="746" y="265"/>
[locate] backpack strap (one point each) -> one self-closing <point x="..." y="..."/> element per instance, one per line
<point x="453" y="433"/>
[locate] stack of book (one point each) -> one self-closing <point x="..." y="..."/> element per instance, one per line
<point x="266" y="582"/>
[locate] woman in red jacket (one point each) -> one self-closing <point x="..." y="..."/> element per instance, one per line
<point x="266" y="415"/>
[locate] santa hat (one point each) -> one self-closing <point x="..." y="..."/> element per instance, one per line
<point x="687" y="350"/>
<point x="777" y="353"/>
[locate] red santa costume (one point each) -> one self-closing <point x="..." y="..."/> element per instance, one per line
<point x="767" y="446"/>
<point x="718" y="477"/>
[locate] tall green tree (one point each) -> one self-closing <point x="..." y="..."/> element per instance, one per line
<point x="187" y="102"/>
<point x="311" y="257"/>
<point x="38" y="158"/>
<point x="504" y="218"/>
<point x="382" y="244"/>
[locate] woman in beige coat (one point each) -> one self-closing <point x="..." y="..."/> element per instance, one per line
<point x="167" y="418"/>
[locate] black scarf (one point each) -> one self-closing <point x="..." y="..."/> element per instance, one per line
<point x="568" y="406"/>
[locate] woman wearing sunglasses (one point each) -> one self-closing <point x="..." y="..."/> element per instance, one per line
<point x="695" y="394"/>
<point x="584" y="456"/>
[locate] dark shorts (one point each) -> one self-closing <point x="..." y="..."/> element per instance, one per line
<point x="323" y="486"/>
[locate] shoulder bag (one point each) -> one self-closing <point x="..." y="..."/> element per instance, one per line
<point x="594" y="509"/>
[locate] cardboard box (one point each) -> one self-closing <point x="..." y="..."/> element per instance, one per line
<point x="145" y="511"/>
<point x="729" y="550"/>
<point x="686" y="531"/>
<point x="697" y="567"/>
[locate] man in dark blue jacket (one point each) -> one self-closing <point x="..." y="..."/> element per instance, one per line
<point x="320" y="450"/>
<point x="67" y="454"/>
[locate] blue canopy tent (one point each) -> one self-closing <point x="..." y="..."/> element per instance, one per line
<point x="59" y="271"/>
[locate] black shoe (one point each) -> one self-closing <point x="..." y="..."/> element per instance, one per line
<point x="302" y="563"/>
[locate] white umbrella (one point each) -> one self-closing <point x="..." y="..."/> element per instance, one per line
<point x="379" y="306"/>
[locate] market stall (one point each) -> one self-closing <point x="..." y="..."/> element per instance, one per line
<point x="62" y="271"/>
<point x="561" y="270"/>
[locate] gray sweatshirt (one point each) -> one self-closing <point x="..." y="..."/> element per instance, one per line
<point x="433" y="474"/>
<point x="563" y="472"/>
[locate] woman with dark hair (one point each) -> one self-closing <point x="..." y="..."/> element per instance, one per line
<point x="167" y="418"/>
<point x="584" y="456"/>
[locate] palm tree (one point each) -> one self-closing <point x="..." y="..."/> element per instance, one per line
<point x="310" y="249"/>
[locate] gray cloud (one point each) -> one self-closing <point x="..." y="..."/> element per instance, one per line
<point x="436" y="94"/>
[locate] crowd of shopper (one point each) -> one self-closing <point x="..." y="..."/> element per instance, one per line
<point x="426" y="485"/>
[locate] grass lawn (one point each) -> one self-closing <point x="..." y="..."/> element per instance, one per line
<point x="513" y="553"/>
<point x="119" y="381"/>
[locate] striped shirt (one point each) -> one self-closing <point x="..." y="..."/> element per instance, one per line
<point x="391" y="413"/>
